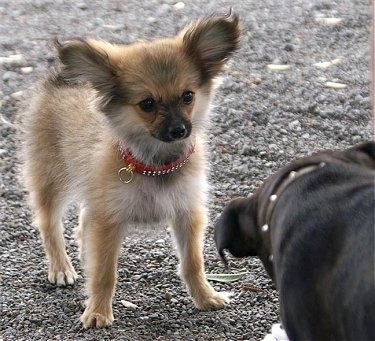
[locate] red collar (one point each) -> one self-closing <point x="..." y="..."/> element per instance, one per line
<point x="133" y="165"/>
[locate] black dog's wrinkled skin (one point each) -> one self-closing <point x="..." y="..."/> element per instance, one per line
<point x="322" y="232"/>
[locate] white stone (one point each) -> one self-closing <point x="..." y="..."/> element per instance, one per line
<point x="179" y="5"/>
<point x="13" y="59"/>
<point x="17" y="95"/>
<point x="27" y="69"/>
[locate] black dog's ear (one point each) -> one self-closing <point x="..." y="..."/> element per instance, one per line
<point x="367" y="147"/>
<point x="210" y="42"/>
<point x="363" y="154"/>
<point x="236" y="229"/>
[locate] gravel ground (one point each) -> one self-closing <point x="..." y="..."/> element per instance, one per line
<point x="262" y="119"/>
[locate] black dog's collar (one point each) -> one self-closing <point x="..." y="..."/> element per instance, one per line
<point x="272" y="200"/>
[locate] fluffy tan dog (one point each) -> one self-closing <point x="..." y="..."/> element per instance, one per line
<point x="120" y="129"/>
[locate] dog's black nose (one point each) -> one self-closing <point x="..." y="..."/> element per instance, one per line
<point x="177" y="132"/>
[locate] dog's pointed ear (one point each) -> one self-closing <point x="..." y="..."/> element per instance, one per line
<point x="211" y="41"/>
<point x="87" y="61"/>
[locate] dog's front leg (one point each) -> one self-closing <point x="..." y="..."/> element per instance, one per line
<point x="188" y="230"/>
<point x="101" y="245"/>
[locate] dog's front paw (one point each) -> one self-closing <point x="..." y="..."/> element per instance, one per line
<point x="215" y="301"/>
<point x="96" y="319"/>
<point x="62" y="275"/>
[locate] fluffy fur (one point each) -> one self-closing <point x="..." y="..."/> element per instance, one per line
<point x="155" y="98"/>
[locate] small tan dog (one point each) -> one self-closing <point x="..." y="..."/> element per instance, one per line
<point x="120" y="129"/>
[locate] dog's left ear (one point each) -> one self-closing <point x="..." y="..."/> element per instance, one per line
<point x="211" y="41"/>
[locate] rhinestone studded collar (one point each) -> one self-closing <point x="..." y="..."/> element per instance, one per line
<point x="126" y="174"/>
<point x="272" y="200"/>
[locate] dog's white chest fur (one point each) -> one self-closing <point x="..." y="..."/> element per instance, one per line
<point x="150" y="200"/>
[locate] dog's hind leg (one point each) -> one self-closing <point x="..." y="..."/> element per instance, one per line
<point x="48" y="220"/>
<point x="188" y="231"/>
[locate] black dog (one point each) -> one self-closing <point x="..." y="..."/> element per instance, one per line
<point x="313" y="226"/>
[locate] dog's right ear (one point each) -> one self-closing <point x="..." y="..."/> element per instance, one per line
<point x="85" y="61"/>
<point x="236" y="229"/>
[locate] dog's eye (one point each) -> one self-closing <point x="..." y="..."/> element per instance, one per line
<point x="187" y="97"/>
<point x="147" y="105"/>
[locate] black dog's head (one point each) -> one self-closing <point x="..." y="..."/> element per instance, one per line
<point x="237" y="231"/>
